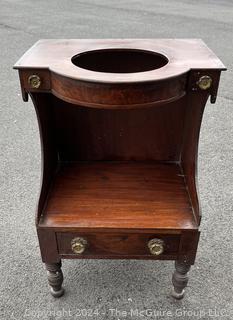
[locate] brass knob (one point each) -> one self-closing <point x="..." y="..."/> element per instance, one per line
<point x="204" y="82"/>
<point x="34" y="81"/>
<point x="156" y="246"/>
<point x="78" y="245"/>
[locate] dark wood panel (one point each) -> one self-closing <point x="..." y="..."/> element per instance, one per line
<point x="49" y="154"/>
<point x="194" y="113"/>
<point x="188" y="245"/>
<point x="48" y="245"/>
<point x="119" y="195"/>
<point x="92" y="134"/>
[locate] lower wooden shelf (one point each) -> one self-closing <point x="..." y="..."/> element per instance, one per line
<point x="118" y="195"/>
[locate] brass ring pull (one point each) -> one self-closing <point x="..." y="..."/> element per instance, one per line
<point x="204" y="82"/>
<point x="34" y="81"/>
<point x="156" y="246"/>
<point x="78" y="245"/>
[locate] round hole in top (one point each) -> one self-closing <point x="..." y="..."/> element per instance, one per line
<point x="119" y="60"/>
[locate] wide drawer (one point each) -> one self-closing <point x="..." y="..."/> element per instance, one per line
<point x="134" y="245"/>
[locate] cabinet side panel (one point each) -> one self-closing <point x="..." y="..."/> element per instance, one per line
<point x="44" y="111"/>
<point x="195" y="107"/>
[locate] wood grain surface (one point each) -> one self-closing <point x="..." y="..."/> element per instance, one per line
<point x="119" y="195"/>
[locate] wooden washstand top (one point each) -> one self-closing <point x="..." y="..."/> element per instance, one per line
<point x="116" y="73"/>
<point x="182" y="55"/>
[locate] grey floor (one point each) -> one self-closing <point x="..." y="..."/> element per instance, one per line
<point x="110" y="288"/>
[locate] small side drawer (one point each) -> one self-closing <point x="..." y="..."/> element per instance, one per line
<point x="116" y="244"/>
<point x="35" y="80"/>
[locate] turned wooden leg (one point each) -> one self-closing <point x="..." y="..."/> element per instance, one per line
<point x="55" y="278"/>
<point x="180" y="279"/>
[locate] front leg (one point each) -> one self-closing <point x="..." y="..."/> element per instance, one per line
<point x="180" y="279"/>
<point x="55" y="278"/>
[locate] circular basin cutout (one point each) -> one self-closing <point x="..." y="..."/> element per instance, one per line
<point x="119" y="60"/>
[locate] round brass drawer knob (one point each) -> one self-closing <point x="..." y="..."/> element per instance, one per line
<point x="156" y="246"/>
<point x="34" y="81"/>
<point x="78" y="245"/>
<point x="204" y="82"/>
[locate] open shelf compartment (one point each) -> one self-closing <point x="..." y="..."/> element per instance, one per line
<point x="119" y="194"/>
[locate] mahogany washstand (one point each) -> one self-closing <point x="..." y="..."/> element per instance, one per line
<point x="119" y="123"/>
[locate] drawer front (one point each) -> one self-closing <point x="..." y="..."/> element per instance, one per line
<point x="35" y="80"/>
<point x="117" y="244"/>
<point x="105" y="95"/>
